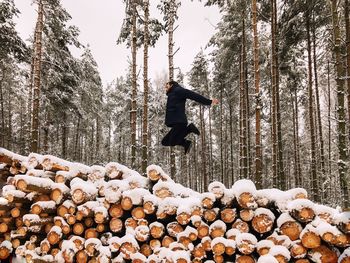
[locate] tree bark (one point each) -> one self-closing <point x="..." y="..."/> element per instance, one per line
<point x="37" y="77"/>
<point x="133" y="111"/>
<point x="342" y="148"/>
<point x="171" y="19"/>
<point x="2" y="143"/>
<point x="258" y="150"/>
<point x="314" y="178"/>
<point x="273" y="97"/>
<point x="318" y="108"/>
<point x="245" y="159"/>
<point x="329" y="120"/>
<point x="65" y="135"/>
<point x="282" y="180"/>
<point x="203" y="148"/>
<point x="347" y="32"/>
<point x="145" y="90"/>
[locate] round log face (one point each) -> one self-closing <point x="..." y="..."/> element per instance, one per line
<point x="305" y="215"/>
<point x="291" y="229"/>
<point x="116" y="210"/>
<point x="245" y="259"/>
<point x="149" y="207"/>
<point x="262" y="223"/>
<point x="325" y="254"/>
<point x="228" y="215"/>
<point x="81" y="256"/>
<point x="153" y="175"/>
<point x="298" y="250"/>
<point x="53" y="238"/>
<point x="311" y="240"/>
<point x="246" y="200"/>
<point x="345" y="260"/>
<point x="263" y="251"/>
<point x="4" y="253"/>
<point x="78" y="196"/>
<point x="241" y="226"/>
<point x="219" y="249"/>
<point x="22" y="185"/>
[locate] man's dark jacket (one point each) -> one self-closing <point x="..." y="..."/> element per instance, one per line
<point x="175" y="107"/>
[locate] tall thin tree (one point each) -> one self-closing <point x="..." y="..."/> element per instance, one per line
<point x="258" y="151"/>
<point x="347" y="32"/>
<point x="37" y="77"/>
<point x="133" y="111"/>
<point x="145" y="89"/>
<point x="314" y="179"/>
<point x="273" y="96"/>
<point x="317" y="99"/>
<point x="341" y="123"/>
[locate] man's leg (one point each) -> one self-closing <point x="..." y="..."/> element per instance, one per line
<point x="176" y="136"/>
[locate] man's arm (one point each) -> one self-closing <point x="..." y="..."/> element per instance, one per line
<point x="189" y="94"/>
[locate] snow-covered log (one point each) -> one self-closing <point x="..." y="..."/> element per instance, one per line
<point x="52" y="210"/>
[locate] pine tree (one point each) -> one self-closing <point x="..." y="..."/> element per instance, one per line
<point x="145" y="89"/>
<point x="341" y="126"/>
<point x="169" y="9"/>
<point x="37" y="77"/>
<point x="12" y="50"/>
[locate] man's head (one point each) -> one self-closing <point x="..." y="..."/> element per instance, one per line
<point x="170" y="84"/>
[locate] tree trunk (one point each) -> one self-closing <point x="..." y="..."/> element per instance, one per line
<point x="171" y="20"/>
<point x="245" y="161"/>
<point x="231" y="168"/>
<point x="211" y="167"/>
<point x="145" y="90"/>
<point x="2" y="142"/>
<point x="76" y="141"/>
<point x="9" y="129"/>
<point x="46" y="132"/>
<point x="315" y="187"/>
<point x="297" y="168"/>
<point x="109" y="141"/>
<point x="30" y="104"/>
<point x="276" y="181"/>
<point x="133" y="110"/>
<point x="247" y="107"/>
<point x="329" y="121"/>
<point x="36" y="77"/>
<point x="347" y="31"/>
<point x="203" y="148"/>
<point x="282" y="180"/>
<point x="65" y="135"/>
<point x="98" y="137"/>
<point x="258" y="151"/>
<point x="22" y="127"/>
<point x="318" y="109"/>
<point x="342" y="147"/>
<point x="221" y="135"/>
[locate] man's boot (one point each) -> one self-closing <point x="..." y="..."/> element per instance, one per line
<point x="192" y="128"/>
<point x="187" y="146"/>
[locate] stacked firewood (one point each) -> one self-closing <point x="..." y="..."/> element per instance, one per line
<point x="52" y="210"/>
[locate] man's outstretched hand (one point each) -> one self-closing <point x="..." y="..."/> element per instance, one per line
<point x="214" y="102"/>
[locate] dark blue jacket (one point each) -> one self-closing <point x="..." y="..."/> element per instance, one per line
<point x="175" y="106"/>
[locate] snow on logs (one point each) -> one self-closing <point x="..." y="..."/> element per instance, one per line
<point x="52" y="210"/>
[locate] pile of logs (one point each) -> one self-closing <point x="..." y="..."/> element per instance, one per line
<point x="52" y="210"/>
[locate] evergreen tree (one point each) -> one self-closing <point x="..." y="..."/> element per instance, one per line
<point x="12" y="51"/>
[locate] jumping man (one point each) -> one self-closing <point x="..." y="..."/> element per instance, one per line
<point x="175" y="116"/>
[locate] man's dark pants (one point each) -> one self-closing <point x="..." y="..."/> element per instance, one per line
<point x="176" y="136"/>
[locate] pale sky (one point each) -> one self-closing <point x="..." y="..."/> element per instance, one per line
<point x="100" y="21"/>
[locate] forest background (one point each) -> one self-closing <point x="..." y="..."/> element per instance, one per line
<point x="279" y="68"/>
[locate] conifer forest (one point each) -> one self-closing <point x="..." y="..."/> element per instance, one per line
<point x="280" y="69"/>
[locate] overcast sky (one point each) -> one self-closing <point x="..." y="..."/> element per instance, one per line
<point x="99" y="22"/>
